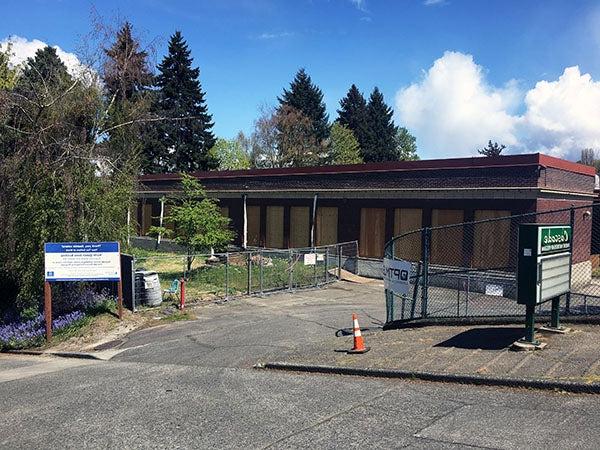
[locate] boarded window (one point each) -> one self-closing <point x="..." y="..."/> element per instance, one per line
<point x="299" y="226"/>
<point x="274" y="231"/>
<point x="146" y="218"/>
<point x="372" y="232"/>
<point x="405" y="220"/>
<point x="167" y="223"/>
<point x="491" y="242"/>
<point x="253" y="214"/>
<point x="447" y="243"/>
<point x="327" y="226"/>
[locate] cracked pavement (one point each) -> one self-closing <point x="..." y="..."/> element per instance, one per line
<point x="192" y="385"/>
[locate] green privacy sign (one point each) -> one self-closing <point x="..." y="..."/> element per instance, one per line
<point x="553" y="239"/>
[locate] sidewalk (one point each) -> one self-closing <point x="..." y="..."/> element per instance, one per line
<point x="469" y="354"/>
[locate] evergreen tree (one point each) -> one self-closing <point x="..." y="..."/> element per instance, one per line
<point x="126" y="71"/>
<point x="307" y="98"/>
<point x="381" y="143"/>
<point x="182" y="142"/>
<point x="353" y="114"/>
<point x="492" y="149"/>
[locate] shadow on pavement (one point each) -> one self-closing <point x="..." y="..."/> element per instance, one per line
<point x="484" y="338"/>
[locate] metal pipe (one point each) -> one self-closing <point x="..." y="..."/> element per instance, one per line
<point x="245" y="230"/>
<point x="314" y="218"/>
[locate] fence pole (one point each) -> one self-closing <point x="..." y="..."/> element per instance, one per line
<point x="426" y="239"/>
<point x="339" y="271"/>
<point x="572" y="223"/>
<point x="326" y="265"/>
<point x="261" y="262"/>
<point x="291" y="270"/>
<point x="314" y="251"/>
<point x="227" y="276"/>
<point x="249" y="273"/>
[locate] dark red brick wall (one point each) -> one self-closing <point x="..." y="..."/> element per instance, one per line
<point x="565" y="181"/>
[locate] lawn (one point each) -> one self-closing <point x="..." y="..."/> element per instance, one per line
<point x="208" y="280"/>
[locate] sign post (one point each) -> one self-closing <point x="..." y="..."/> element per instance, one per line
<point x="543" y="274"/>
<point x="80" y="261"/>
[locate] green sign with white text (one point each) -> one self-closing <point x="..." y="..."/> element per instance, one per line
<point x="552" y="239"/>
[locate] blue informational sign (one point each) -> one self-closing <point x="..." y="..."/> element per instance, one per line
<point x="82" y="261"/>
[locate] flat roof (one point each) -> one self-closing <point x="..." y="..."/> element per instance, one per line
<point x="531" y="159"/>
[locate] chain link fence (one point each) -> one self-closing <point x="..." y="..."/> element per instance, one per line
<point x="255" y="271"/>
<point x="469" y="269"/>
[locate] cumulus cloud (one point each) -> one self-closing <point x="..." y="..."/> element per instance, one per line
<point x="453" y="111"/>
<point x="23" y="48"/>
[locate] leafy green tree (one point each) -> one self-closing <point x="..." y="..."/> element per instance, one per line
<point x="381" y="142"/>
<point x="52" y="183"/>
<point x="230" y="154"/>
<point x="406" y="145"/>
<point x="306" y="97"/>
<point x="197" y="221"/>
<point x="344" y="147"/>
<point x="353" y="114"/>
<point x="265" y="153"/>
<point x="8" y="74"/>
<point x="492" y="149"/>
<point x="182" y="142"/>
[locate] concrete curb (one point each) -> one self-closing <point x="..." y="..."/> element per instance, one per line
<point x="77" y="355"/>
<point x="568" y="386"/>
<point x="500" y="320"/>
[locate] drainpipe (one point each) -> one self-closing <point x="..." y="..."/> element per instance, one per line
<point x="314" y="217"/>
<point x="160" y="223"/>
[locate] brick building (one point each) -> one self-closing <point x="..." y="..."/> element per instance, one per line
<point x="298" y="207"/>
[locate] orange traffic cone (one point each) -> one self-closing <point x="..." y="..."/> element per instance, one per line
<point x="359" y="343"/>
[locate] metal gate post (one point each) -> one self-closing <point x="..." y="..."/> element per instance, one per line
<point x="326" y="265"/>
<point x="572" y="223"/>
<point x="291" y="269"/>
<point x="261" y="262"/>
<point x="339" y="271"/>
<point x="249" y="273"/>
<point x="426" y="245"/>
<point x="227" y="276"/>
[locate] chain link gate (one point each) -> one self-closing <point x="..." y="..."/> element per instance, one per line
<point x="468" y="270"/>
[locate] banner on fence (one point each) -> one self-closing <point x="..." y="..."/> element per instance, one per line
<point x="396" y="276"/>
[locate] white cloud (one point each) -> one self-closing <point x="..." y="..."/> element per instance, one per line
<point x="269" y="36"/>
<point x="23" y="48"/>
<point x="360" y="4"/>
<point x="453" y="111"/>
<point x="434" y="2"/>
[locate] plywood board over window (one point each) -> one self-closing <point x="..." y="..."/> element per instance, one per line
<point x="491" y="241"/>
<point x="146" y="218"/>
<point x="253" y="214"/>
<point x="372" y="232"/>
<point x="299" y="226"/>
<point x="167" y="223"/>
<point x="274" y="231"/>
<point x="327" y="226"/>
<point x="447" y="243"/>
<point x="405" y="220"/>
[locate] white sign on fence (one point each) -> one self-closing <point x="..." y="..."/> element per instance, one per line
<point x="82" y="261"/>
<point x="396" y="276"/>
<point x="310" y="259"/>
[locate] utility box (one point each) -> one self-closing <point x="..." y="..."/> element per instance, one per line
<point x="544" y="262"/>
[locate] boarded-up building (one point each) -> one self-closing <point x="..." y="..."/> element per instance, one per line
<point x="373" y="202"/>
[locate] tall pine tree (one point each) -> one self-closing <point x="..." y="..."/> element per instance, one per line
<point x="307" y="98"/>
<point x="182" y="141"/>
<point x="353" y="114"/>
<point x="381" y="142"/>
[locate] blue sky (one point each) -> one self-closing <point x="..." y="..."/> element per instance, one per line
<point x="249" y="50"/>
